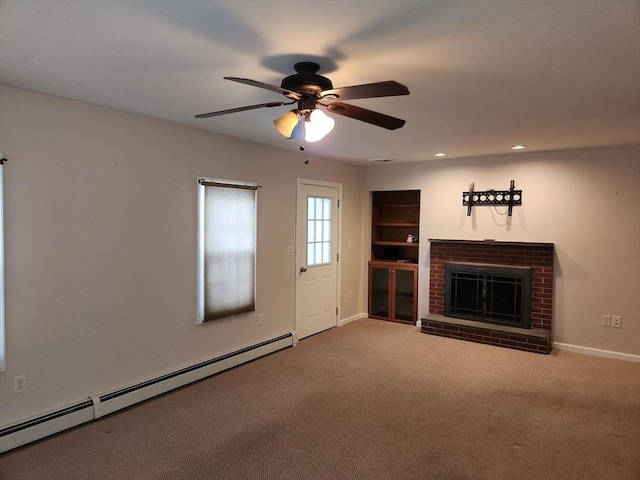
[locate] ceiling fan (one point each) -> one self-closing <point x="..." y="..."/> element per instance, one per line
<point x="311" y="91"/>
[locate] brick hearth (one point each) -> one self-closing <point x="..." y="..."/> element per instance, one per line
<point x="526" y="254"/>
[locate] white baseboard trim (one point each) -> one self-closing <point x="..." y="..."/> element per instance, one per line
<point x="44" y="425"/>
<point x="26" y="431"/>
<point x="597" y="352"/>
<point x="353" y="318"/>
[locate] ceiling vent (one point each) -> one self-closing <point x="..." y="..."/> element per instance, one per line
<point x="380" y="160"/>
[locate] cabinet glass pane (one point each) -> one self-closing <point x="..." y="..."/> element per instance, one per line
<point x="379" y="292"/>
<point x="404" y="295"/>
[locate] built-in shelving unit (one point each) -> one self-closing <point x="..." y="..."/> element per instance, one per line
<point x="393" y="269"/>
<point x="395" y="216"/>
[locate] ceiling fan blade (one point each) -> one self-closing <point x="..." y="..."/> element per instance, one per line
<point x="369" y="90"/>
<point x="273" y="88"/>
<point x="242" y="109"/>
<point x="369" y="116"/>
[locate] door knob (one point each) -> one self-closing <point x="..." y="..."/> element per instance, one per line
<point x="302" y="269"/>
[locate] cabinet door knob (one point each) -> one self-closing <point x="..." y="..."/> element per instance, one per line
<point x="302" y="269"/>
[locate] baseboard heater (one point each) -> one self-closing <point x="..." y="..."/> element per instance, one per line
<point x="95" y="407"/>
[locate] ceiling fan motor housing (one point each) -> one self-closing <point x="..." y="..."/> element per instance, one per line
<point x="306" y="81"/>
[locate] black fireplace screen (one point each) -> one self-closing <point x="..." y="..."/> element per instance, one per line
<point x="489" y="293"/>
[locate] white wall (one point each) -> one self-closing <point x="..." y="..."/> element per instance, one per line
<point x="100" y="247"/>
<point x="586" y="202"/>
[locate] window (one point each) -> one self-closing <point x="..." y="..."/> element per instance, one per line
<point x="227" y="249"/>
<point x="2" y="365"/>
<point x="318" y="230"/>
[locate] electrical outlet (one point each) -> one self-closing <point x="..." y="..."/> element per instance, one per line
<point x="616" y="321"/>
<point x="606" y="320"/>
<point x="19" y="384"/>
<point x="349" y="294"/>
<point x="260" y="319"/>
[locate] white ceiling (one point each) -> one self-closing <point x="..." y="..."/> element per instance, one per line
<point x="483" y="74"/>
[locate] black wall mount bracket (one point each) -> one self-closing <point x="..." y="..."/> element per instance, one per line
<point x="510" y="198"/>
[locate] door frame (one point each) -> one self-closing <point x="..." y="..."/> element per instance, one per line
<point x="302" y="255"/>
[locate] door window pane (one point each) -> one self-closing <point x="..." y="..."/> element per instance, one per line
<point x="318" y="231"/>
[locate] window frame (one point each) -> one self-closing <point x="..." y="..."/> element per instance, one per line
<point x="2" y="299"/>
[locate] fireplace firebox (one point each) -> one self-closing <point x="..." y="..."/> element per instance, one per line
<point x="488" y="293"/>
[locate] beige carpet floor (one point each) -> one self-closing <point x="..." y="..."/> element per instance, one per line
<point x="370" y="400"/>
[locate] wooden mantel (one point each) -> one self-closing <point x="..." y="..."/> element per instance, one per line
<point x="492" y="242"/>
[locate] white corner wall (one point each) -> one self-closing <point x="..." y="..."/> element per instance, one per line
<point x="100" y="242"/>
<point x="586" y="202"/>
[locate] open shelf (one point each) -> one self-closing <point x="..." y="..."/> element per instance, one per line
<point x="396" y="224"/>
<point x="396" y="244"/>
<point x="395" y="216"/>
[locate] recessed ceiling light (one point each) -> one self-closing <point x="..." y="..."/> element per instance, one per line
<point x="440" y="154"/>
<point x="518" y="147"/>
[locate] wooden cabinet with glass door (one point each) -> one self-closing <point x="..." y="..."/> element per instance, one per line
<point x="393" y="291"/>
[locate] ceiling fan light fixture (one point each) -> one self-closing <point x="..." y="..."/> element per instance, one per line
<point x="287" y="123"/>
<point x="317" y="125"/>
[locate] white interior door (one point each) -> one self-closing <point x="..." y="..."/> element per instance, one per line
<point x="316" y="257"/>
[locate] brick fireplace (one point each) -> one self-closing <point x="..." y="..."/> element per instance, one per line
<point x="538" y="256"/>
